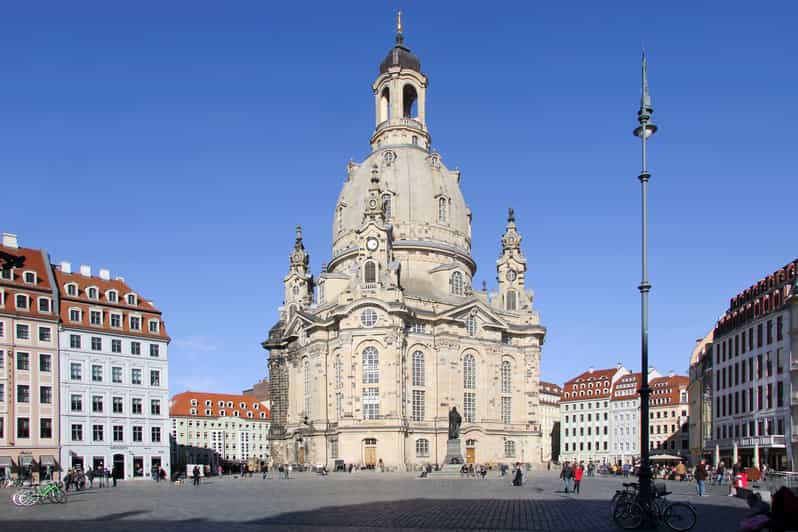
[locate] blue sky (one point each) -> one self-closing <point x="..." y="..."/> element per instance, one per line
<point x="179" y="143"/>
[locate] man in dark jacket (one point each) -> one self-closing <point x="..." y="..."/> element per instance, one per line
<point x="700" y="475"/>
<point x="567" y="475"/>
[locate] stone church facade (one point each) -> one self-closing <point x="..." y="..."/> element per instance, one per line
<point x="367" y="359"/>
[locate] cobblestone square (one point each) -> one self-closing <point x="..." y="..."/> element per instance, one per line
<point x="360" y="501"/>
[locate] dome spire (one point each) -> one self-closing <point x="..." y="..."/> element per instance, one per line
<point x="399" y="37"/>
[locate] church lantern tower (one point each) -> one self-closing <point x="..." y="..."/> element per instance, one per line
<point x="511" y="269"/>
<point x="298" y="283"/>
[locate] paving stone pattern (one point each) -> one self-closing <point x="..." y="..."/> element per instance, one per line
<point x="361" y="501"/>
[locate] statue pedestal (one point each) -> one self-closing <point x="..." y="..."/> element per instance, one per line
<point x="454" y="454"/>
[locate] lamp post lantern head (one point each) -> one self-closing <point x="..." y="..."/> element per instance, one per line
<point x="646" y="128"/>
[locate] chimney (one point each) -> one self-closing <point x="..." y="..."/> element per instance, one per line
<point x="105" y="274"/>
<point x="66" y="267"/>
<point x="10" y="240"/>
<point x="671" y="373"/>
<point x="121" y="279"/>
<point x="85" y="270"/>
<point x="590" y="369"/>
<point x="618" y="365"/>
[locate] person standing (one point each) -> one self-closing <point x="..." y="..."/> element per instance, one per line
<point x="567" y="474"/>
<point x="195" y="473"/>
<point x="700" y="475"/>
<point x="579" y="472"/>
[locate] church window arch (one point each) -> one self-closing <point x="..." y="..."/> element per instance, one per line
<point x="370" y="272"/>
<point x="418" y="368"/>
<point x="471" y="325"/>
<point x="506" y="376"/>
<point x="371" y="365"/>
<point x="456" y="284"/>
<point x="385" y="104"/>
<point x="469" y="372"/>
<point x="339" y="218"/>
<point x="409" y="99"/>
<point x="443" y="205"/>
<point x="307" y="382"/>
<point x="387" y="205"/>
<point x="339" y="372"/>
<point x="322" y="295"/>
<point x="512" y="300"/>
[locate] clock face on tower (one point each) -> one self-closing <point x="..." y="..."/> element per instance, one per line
<point x="511" y="275"/>
<point x="372" y="243"/>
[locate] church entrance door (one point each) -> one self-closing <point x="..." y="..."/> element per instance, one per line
<point x="471" y="452"/>
<point x="301" y="456"/>
<point x="370" y="452"/>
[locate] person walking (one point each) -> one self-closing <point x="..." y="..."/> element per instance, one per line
<point x="567" y="475"/>
<point x="700" y="475"/>
<point x="195" y="473"/>
<point x="114" y="474"/>
<point x="518" y="475"/>
<point x="579" y="472"/>
<point x="719" y="473"/>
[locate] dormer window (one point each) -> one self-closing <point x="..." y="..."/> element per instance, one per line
<point x="235" y="413"/>
<point x="71" y="289"/>
<point x="135" y="323"/>
<point x="7" y="275"/>
<point x="229" y="404"/>
<point x="22" y="302"/>
<point x="44" y="305"/>
<point x="208" y="402"/>
<point x="222" y="413"/>
<point x="242" y="405"/>
<point x="263" y="415"/>
<point x="154" y="326"/>
<point x="249" y="414"/>
<point x="92" y="292"/>
<point x="112" y="296"/>
<point x="207" y="411"/>
<point x="30" y="277"/>
<point x="256" y="406"/>
<point x="75" y="314"/>
<point x="193" y="402"/>
<point x="131" y="299"/>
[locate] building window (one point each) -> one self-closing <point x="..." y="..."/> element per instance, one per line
<point x="333" y="448"/>
<point x="308" y="383"/>
<point x="97" y="404"/>
<point x="371" y="366"/>
<point x="45" y="428"/>
<point x="76" y="403"/>
<point x="368" y="317"/>
<point x="418" y="368"/>
<point x="23" y="393"/>
<point x="469" y="406"/>
<point x="23" y="332"/>
<point x="155" y="377"/>
<point x="506" y="377"/>
<point x="116" y="321"/>
<point x="135" y="348"/>
<point x="45" y="334"/>
<point x="456" y="284"/>
<point x="469" y="372"/>
<point x="74" y="341"/>
<point x="418" y="405"/>
<point x="23" y="361"/>
<point x="387" y="207"/>
<point x="96" y="343"/>
<point x="154" y="326"/>
<point x="509" y="448"/>
<point x="370" y="272"/>
<point x="116" y="345"/>
<point x="135" y="323"/>
<point x="77" y="432"/>
<point x="135" y="376"/>
<point x="422" y="448"/>
<point x="97" y="433"/>
<point x="72" y="289"/>
<point x="154" y="350"/>
<point x="75" y="371"/>
<point x="95" y="317"/>
<point x="442" y="214"/>
<point x="96" y="373"/>
<point x="371" y="403"/>
<point x="119" y="433"/>
<point x="117" y="405"/>
<point x="471" y="325"/>
<point x="131" y="299"/>
<point x="45" y="395"/>
<point x="155" y="407"/>
<point x="74" y="314"/>
<point x="417" y="327"/>
<point x="44" y="305"/>
<point x="136" y="406"/>
<point x="506" y="409"/>
<point x="23" y="427"/>
<point x="116" y="375"/>
<point x="112" y="296"/>
<point x="138" y="434"/>
<point x="339" y="405"/>
<point x="155" y="434"/>
<point x="22" y="302"/>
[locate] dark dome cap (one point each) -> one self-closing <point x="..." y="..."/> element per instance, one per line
<point x="400" y="56"/>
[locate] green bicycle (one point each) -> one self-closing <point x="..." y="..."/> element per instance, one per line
<point x="52" y="492"/>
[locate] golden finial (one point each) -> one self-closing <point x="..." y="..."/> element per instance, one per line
<point x="398" y="22"/>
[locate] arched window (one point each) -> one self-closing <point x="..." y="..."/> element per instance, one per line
<point x="387" y="205"/>
<point x="370" y="275"/>
<point x="307" y="387"/>
<point x="339" y="372"/>
<point x="442" y="208"/>
<point x="506" y="377"/>
<point x="512" y="300"/>
<point x="339" y="218"/>
<point x="418" y="368"/>
<point x="469" y="372"/>
<point x="371" y="366"/>
<point x="409" y="97"/>
<point x="422" y="447"/>
<point x="385" y="105"/>
<point x="456" y="283"/>
<point x="471" y="325"/>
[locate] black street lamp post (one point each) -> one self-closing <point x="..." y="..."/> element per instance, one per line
<point x="645" y="130"/>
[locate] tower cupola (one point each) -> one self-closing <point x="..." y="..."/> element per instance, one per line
<point x="400" y="98"/>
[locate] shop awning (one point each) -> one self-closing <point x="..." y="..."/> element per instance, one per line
<point x="665" y="458"/>
<point x="5" y="461"/>
<point x="47" y="459"/>
<point x="26" y="460"/>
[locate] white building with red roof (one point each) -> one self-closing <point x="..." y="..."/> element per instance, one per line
<point x="585" y="412"/>
<point x="625" y="417"/>
<point x="114" y="375"/>
<point x="669" y="422"/>
<point x="235" y="427"/>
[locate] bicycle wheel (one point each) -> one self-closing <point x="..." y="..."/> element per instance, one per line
<point x="59" y="496"/>
<point x="628" y="515"/>
<point x="680" y="516"/>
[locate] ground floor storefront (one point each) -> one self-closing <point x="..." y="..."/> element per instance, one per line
<point x="122" y="462"/>
<point x="30" y="464"/>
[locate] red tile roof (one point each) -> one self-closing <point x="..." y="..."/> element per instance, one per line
<point x="181" y="405"/>
<point x="550" y="388"/>
<point x="143" y="308"/>
<point x="667" y="388"/>
<point x="597" y="382"/>
<point x="35" y="261"/>
<point x="622" y="385"/>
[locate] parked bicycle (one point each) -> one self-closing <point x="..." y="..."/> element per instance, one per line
<point x="630" y="512"/>
<point x="49" y="492"/>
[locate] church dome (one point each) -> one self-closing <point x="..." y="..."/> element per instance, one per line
<point x="400" y="56"/>
<point x="421" y="197"/>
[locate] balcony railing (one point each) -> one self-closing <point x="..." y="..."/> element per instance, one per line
<point x="776" y="440"/>
<point x="396" y="122"/>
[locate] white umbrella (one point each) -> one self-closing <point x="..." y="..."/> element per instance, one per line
<point x="734" y="453"/>
<point x="756" y="454"/>
<point x="717" y="455"/>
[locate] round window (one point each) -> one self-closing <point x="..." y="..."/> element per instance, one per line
<point x="368" y="317"/>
